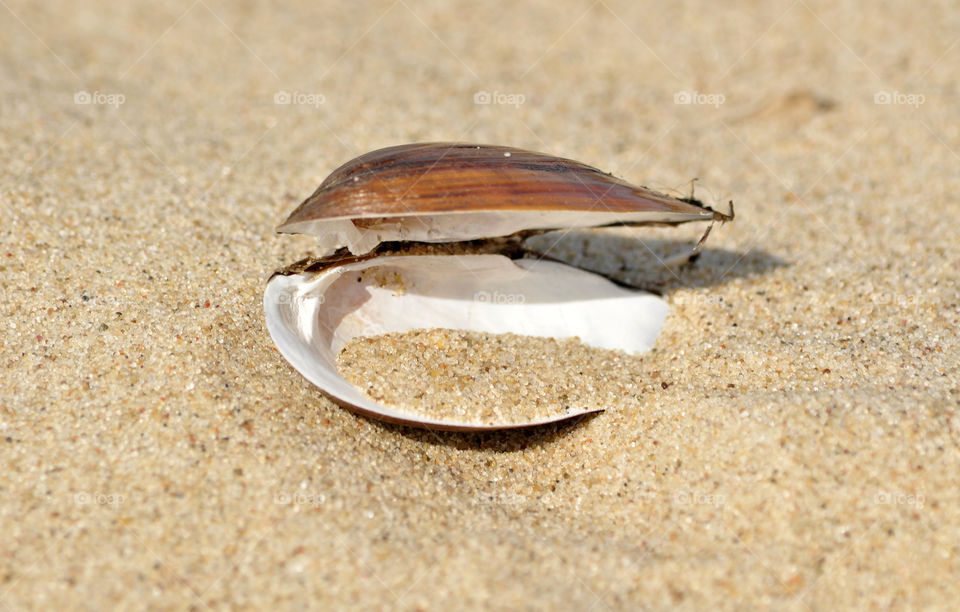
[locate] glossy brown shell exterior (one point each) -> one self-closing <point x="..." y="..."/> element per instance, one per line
<point x="436" y="178"/>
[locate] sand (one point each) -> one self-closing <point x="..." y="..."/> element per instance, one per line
<point x="467" y="377"/>
<point x="796" y="446"/>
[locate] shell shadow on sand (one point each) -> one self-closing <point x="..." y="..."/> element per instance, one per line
<point x="658" y="265"/>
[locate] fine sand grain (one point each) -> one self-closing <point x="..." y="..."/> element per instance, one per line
<point x="473" y="377"/>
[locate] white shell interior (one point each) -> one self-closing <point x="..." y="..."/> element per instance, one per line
<point x="452" y="227"/>
<point x="311" y="316"/>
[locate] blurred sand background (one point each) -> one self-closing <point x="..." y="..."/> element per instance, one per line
<point x="795" y="446"/>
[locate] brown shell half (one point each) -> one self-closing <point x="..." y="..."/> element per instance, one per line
<point x="437" y="178"/>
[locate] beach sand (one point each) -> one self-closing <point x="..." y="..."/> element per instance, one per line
<point x="795" y="440"/>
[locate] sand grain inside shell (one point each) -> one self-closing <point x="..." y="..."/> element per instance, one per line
<point x="490" y="378"/>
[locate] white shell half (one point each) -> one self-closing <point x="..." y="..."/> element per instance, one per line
<point x="311" y="316"/>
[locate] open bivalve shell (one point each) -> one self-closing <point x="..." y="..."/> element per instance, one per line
<point x="416" y="237"/>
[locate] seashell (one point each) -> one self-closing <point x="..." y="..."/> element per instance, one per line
<point x="414" y="236"/>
